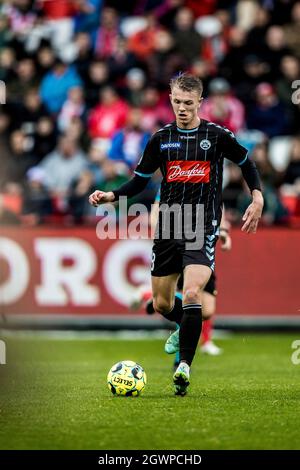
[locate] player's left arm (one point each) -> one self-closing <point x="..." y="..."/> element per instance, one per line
<point x="238" y="154"/>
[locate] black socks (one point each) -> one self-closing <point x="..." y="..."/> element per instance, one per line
<point x="190" y="331"/>
<point x="176" y="313"/>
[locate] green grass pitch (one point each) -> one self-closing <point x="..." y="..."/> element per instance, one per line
<point x="53" y="395"/>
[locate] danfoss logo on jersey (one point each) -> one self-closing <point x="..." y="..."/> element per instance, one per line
<point x="188" y="171"/>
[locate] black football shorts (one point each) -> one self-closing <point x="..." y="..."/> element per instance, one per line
<point x="171" y="256"/>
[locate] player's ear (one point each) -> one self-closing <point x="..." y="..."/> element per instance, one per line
<point x="170" y="96"/>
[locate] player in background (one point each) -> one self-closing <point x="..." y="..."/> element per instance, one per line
<point x="190" y="153"/>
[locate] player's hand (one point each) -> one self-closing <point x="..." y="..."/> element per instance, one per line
<point x="100" y="197"/>
<point x="225" y="238"/>
<point x="253" y="213"/>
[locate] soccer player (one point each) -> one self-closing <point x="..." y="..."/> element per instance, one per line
<point x="190" y="154"/>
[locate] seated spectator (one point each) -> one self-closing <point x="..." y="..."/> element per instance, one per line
<point x="30" y="111"/>
<point x="128" y="144"/>
<point x="78" y="199"/>
<point x="221" y="107"/>
<point x="7" y="64"/>
<point x="292" y="173"/>
<point x="22" y="157"/>
<point x="274" y="211"/>
<point x="56" y="84"/>
<point x="232" y="190"/>
<point x="187" y="39"/>
<point x="5" y="32"/>
<point x="11" y="202"/>
<point x="165" y="61"/>
<point x="107" y="34"/>
<point x="122" y="61"/>
<point x="275" y="49"/>
<point x="22" y="18"/>
<point x="95" y="78"/>
<point x="254" y="70"/>
<point x="45" y="59"/>
<point x="6" y="216"/>
<point x="267" y="114"/>
<point x="154" y="110"/>
<point x="96" y="156"/>
<point x="73" y="107"/>
<point x="292" y="30"/>
<point x="134" y="86"/>
<point x="25" y="79"/>
<point x="37" y="201"/>
<point x="62" y="168"/>
<point x="141" y="43"/>
<point x="290" y="69"/>
<point x="108" y="116"/>
<point x="44" y="137"/>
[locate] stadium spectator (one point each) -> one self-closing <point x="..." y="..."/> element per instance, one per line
<point x="45" y="59"/>
<point x="95" y="78"/>
<point x="5" y="32"/>
<point x="223" y="108"/>
<point x="21" y="157"/>
<point x="292" y="174"/>
<point x="292" y="30"/>
<point x="128" y="144"/>
<point x="108" y="116"/>
<point x="25" y="79"/>
<point x="267" y="114"/>
<point x="275" y="48"/>
<point x="187" y="39"/>
<point x="230" y="66"/>
<point x="44" y="137"/>
<point x="254" y="71"/>
<point x="63" y="167"/>
<point x="7" y="64"/>
<point x="134" y="86"/>
<point x="73" y="107"/>
<point x="37" y="202"/>
<point x="290" y="70"/>
<point x="122" y="61"/>
<point x="29" y="112"/>
<point x="107" y="34"/>
<point x="154" y="109"/>
<point x="142" y="43"/>
<point x="165" y="61"/>
<point x="56" y="84"/>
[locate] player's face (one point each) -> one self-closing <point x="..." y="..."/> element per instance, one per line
<point x="185" y="105"/>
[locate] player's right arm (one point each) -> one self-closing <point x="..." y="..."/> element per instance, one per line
<point x="147" y="165"/>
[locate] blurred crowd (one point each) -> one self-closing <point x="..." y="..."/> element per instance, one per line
<point x="84" y="84"/>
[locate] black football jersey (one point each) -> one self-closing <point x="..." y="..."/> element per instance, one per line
<point x="191" y="163"/>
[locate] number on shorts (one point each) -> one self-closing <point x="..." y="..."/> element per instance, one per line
<point x="153" y="261"/>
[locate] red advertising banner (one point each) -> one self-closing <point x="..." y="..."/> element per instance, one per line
<point x="71" y="271"/>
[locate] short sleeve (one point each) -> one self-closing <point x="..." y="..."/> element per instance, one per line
<point x="150" y="160"/>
